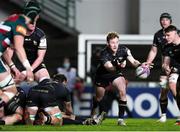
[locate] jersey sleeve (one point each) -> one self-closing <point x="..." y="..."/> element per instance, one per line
<point x="155" y="41"/>
<point x="104" y="57"/>
<point x="43" y="43"/>
<point x="19" y="29"/>
<point x="128" y="52"/>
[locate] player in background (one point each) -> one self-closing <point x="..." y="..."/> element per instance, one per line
<point x="171" y="62"/>
<point x="159" y="43"/>
<point x="12" y="33"/>
<point x="109" y="72"/>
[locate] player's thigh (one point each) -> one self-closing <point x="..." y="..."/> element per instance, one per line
<point x="119" y="83"/>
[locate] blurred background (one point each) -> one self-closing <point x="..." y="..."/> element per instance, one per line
<point x="76" y="30"/>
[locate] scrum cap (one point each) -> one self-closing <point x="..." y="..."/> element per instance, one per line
<point x="32" y="9"/>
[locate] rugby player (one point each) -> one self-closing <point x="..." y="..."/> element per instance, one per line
<point x="159" y="43"/>
<point x="171" y="62"/>
<point x="109" y="72"/>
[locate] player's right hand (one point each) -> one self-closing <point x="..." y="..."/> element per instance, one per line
<point x="29" y="75"/>
<point x="149" y="65"/>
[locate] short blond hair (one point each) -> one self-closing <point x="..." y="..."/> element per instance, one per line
<point x="112" y="35"/>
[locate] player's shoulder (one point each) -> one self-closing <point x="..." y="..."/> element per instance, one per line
<point x="159" y="32"/>
<point x="39" y="32"/>
<point x="123" y="48"/>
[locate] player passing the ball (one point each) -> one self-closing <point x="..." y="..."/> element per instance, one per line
<point x="112" y="59"/>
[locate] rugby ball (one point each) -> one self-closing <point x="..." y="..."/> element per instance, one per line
<point x="142" y="72"/>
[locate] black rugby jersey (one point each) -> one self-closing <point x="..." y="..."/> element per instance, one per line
<point x="107" y="55"/>
<point x="173" y="51"/>
<point x="159" y="40"/>
<point x="34" y="42"/>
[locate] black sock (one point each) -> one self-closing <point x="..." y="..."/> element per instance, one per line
<point x="80" y="118"/>
<point x="122" y="108"/>
<point x="95" y="104"/>
<point x="2" y="122"/>
<point x="178" y="100"/>
<point x="67" y="121"/>
<point x="163" y="105"/>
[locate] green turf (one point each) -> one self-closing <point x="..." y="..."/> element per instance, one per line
<point x="107" y="125"/>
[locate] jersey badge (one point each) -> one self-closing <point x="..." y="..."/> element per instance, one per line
<point x="21" y="29"/>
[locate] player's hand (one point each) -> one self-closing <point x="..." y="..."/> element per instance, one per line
<point x="29" y="75"/>
<point x="121" y="64"/>
<point x="149" y="65"/>
<point x="16" y="73"/>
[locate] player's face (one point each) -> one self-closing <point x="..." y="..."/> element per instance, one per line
<point x="113" y="44"/>
<point x="165" y="22"/>
<point x="32" y="26"/>
<point x="171" y="36"/>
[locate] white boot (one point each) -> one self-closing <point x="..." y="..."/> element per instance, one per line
<point x="121" y="122"/>
<point x="163" y="118"/>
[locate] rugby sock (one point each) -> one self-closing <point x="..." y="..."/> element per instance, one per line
<point x="163" y="105"/>
<point x="178" y="98"/>
<point x="122" y="108"/>
<point x="95" y="104"/>
<point x="2" y="122"/>
<point x="80" y="118"/>
<point x="67" y="121"/>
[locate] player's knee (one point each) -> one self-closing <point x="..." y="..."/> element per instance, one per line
<point x="13" y="103"/>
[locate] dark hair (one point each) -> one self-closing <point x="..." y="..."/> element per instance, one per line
<point x="166" y="15"/>
<point x="31" y="9"/>
<point x="111" y="35"/>
<point x="170" y="28"/>
<point x="59" y="78"/>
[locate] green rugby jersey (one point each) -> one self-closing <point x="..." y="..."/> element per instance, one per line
<point x="13" y="25"/>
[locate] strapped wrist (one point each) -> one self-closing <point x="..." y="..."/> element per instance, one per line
<point x="27" y="65"/>
<point x="12" y="65"/>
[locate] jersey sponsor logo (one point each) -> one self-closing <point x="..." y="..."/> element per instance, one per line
<point x="21" y="29"/>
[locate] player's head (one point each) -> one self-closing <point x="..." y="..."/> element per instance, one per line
<point x="171" y="34"/>
<point x="32" y="10"/>
<point x="165" y="20"/>
<point x="112" y="41"/>
<point x="61" y="78"/>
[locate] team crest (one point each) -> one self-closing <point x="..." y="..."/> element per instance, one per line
<point x="21" y="29"/>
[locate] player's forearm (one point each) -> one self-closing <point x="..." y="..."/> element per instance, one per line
<point x="7" y="56"/>
<point x="19" y="49"/>
<point x="136" y="63"/>
<point x="151" y="56"/>
<point x="23" y="58"/>
<point x="36" y="63"/>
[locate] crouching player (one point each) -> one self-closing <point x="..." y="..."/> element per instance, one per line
<point x="43" y="97"/>
<point x="14" y="109"/>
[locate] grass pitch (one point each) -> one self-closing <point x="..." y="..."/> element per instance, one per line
<point x="107" y="125"/>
